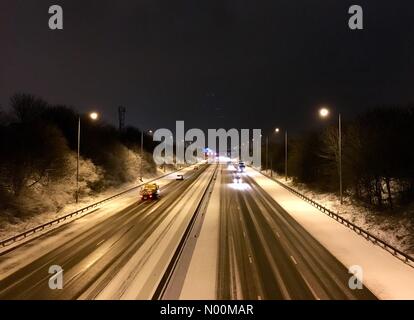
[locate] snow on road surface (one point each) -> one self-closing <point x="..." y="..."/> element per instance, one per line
<point x="385" y="275"/>
<point x="139" y="278"/>
<point x="8" y="230"/>
<point x="27" y="253"/>
<point x="201" y="279"/>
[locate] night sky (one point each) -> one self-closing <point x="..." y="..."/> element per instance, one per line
<point x="212" y="63"/>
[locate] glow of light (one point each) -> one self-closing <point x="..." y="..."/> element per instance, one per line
<point x="240" y="186"/>
<point x="277" y="130"/>
<point x="324" y="112"/>
<point x="94" y="115"/>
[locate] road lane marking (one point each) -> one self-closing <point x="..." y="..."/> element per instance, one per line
<point x="274" y="267"/>
<point x="99" y="243"/>
<point x="250" y="259"/>
<point x="293" y="259"/>
<point x="310" y="288"/>
<point x="278" y="235"/>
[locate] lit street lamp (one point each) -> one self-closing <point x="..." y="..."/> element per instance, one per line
<point x="141" y="178"/>
<point x="93" y="116"/>
<point x="324" y="113"/>
<point x="277" y="130"/>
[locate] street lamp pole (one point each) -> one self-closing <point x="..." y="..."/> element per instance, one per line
<point x="324" y="112"/>
<point x="277" y="130"/>
<point x="286" y="155"/>
<point x="271" y="167"/>
<point x="340" y="156"/>
<point x="142" y="153"/>
<point x="267" y="152"/>
<point x="77" y="162"/>
<point x="94" y="116"/>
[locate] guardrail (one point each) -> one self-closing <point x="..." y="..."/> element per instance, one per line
<point x="24" y="235"/>
<point x="369" y="236"/>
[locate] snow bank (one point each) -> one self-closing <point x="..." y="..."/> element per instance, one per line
<point x="397" y="229"/>
<point x="57" y="200"/>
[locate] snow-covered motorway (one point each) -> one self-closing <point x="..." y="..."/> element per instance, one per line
<point x="263" y="242"/>
<point x="266" y="254"/>
<point x="121" y="256"/>
<point x="249" y="240"/>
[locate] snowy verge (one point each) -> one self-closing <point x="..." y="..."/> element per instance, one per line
<point x="386" y="276"/>
<point x="395" y="228"/>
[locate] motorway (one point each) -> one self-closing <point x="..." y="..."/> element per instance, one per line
<point x="91" y="259"/>
<point x="265" y="254"/>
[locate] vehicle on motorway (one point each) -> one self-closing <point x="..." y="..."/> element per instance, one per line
<point x="150" y="191"/>
<point x="242" y="166"/>
<point x="180" y="177"/>
<point x="237" y="178"/>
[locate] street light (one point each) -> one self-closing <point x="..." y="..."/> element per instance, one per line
<point x="324" y="113"/>
<point x="93" y="116"/>
<point x="277" y="130"/>
<point x="141" y="164"/>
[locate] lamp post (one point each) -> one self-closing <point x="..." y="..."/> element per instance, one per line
<point x="150" y="132"/>
<point x="93" y="116"/>
<point x="286" y="155"/>
<point x="277" y="130"/>
<point x="142" y="156"/>
<point x="324" y="113"/>
<point x="267" y="153"/>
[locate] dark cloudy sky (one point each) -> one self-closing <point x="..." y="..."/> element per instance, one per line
<point x="212" y="63"/>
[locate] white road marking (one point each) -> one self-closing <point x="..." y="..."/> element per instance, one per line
<point x="293" y="259"/>
<point x="100" y="243"/>
<point x="311" y="289"/>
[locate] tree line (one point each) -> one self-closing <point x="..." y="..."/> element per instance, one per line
<point x="377" y="157"/>
<point x="38" y="143"/>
